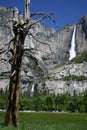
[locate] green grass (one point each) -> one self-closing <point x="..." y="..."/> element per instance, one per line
<point x="48" y="121"/>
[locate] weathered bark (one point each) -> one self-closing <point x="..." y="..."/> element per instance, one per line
<point x="20" y="30"/>
<point x="27" y="10"/>
<point x="14" y="85"/>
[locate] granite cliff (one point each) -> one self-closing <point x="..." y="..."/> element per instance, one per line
<point x="62" y="74"/>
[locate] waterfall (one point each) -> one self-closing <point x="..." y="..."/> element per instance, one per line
<point x="72" y="51"/>
<point x="31" y="42"/>
<point x="32" y="90"/>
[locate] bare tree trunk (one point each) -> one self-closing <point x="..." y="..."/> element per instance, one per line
<point x="14" y="85"/>
<point x="20" y="31"/>
<point x="27" y="10"/>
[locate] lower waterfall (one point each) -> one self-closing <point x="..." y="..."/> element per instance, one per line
<point x="32" y="90"/>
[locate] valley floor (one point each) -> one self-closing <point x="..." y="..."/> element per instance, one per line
<point x="48" y="121"/>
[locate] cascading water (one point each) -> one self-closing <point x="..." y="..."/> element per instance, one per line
<point x="72" y="51"/>
<point x="32" y="90"/>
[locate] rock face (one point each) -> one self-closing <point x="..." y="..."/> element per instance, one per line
<point x="68" y="78"/>
<point x="5" y="26"/>
<point x="52" y="51"/>
<point x="64" y="42"/>
<point x="71" y="88"/>
<point x="81" y="35"/>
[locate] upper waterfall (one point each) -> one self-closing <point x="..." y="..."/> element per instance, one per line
<point x="72" y="51"/>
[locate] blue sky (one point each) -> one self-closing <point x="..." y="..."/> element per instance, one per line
<point x="66" y="11"/>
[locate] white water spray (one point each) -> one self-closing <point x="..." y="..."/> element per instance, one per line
<point x="72" y="51"/>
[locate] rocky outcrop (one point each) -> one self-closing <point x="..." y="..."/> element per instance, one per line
<point x="81" y="35"/>
<point x="69" y="69"/>
<point x="72" y="87"/>
<point x="5" y="26"/>
<point x="68" y="78"/>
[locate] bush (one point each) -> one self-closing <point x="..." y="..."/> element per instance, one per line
<point x="80" y="59"/>
<point x="74" y="77"/>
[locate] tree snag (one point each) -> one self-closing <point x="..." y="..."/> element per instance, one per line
<point x="20" y="31"/>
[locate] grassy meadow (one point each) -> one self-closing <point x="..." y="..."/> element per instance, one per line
<point x="48" y="121"/>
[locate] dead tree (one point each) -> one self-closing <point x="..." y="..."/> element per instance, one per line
<point x="21" y="26"/>
<point x="20" y="29"/>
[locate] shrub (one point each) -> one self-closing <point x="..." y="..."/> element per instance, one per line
<point x="75" y="77"/>
<point x="80" y="59"/>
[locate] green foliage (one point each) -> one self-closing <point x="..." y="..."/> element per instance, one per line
<point x="24" y="103"/>
<point x="49" y="102"/>
<point x="80" y="59"/>
<point x="75" y="78"/>
<point x="31" y="64"/>
<point x="3" y="98"/>
<point x="37" y="104"/>
<point x="60" y="102"/>
<point x="72" y="105"/>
